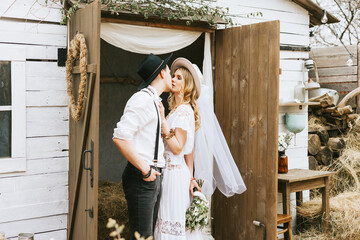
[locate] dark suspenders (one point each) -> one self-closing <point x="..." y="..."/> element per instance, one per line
<point x="156" y="152"/>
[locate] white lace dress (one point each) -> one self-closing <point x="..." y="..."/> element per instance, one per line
<point x="175" y="197"/>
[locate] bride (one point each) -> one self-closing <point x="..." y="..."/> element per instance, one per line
<point x="192" y="139"/>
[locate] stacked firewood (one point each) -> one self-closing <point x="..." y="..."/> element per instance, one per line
<point x="325" y="134"/>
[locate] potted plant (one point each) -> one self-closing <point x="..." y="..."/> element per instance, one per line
<point x="283" y="144"/>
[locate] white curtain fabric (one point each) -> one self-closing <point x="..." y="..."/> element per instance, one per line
<point x="207" y="68"/>
<point x="146" y="40"/>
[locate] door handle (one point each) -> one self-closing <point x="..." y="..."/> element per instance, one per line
<point x="91" y="161"/>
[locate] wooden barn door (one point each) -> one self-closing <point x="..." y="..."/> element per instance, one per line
<point x="84" y="134"/>
<point x="246" y="104"/>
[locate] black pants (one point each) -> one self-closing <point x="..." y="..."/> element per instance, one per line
<point x="143" y="200"/>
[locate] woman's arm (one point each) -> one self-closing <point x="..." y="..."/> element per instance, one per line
<point x="177" y="142"/>
<point x="189" y="159"/>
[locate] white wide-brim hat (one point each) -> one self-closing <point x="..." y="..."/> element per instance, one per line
<point x="193" y="68"/>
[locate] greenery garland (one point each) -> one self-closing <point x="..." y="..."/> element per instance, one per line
<point x="172" y="10"/>
<point x="76" y="50"/>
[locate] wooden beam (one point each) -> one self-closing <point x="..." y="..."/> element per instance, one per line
<point x="295" y="48"/>
<point x="119" y="80"/>
<point x="155" y="24"/>
<point x="91" y="68"/>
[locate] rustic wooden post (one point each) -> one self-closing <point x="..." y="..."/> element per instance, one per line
<point x="358" y="77"/>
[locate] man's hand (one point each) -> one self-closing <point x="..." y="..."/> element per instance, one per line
<point x="193" y="184"/>
<point x="162" y="111"/>
<point x="152" y="176"/>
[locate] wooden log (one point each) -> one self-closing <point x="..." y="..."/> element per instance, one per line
<point x="313" y="163"/>
<point x="323" y="135"/>
<point x="314" y="144"/>
<point x="324" y="156"/>
<point x="319" y="112"/>
<point x="336" y="144"/>
<point x="324" y="100"/>
<point x="352" y="117"/>
<point x="330" y="109"/>
<point x="341" y="111"/>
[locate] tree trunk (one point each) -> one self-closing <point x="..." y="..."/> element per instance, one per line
<point x="314" y="144"/>
<point x="324" y="156"/>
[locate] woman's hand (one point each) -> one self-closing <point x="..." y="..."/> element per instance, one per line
<point x="193" y="184"/>
<point x="162" y="111"/>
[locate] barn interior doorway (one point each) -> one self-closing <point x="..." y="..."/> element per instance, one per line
<point x="118" y="82"/>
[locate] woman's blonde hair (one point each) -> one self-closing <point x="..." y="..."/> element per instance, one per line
<point x="188" y="94"/>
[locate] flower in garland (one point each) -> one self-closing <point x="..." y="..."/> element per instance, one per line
<point x="284" y="141"/>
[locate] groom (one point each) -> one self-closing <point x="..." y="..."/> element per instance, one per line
<point x="137" y="136"/>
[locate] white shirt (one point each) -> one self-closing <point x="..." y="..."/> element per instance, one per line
<point x="139" y="124"/>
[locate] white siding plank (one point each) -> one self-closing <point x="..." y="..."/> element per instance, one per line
<point x="48" y="114"/>
<point x="45" y="83"/>
<point x="47" y="121"/>
<point x="27" y="183"/>
<point x="293" y="39"/>
<point x="293" y="76"/>
<point x="292" y="65"/>
<point x="45" y="69"/>
<point x="24" y="51"/>
<point x="36" y="196"/>
<point x="269" y="15"/>
<point x="33" y="211"/>
<point x="280" y="5"/>
<point x="32" y="33"/>
<point x="47" y="129"/>
<point x="13" y="53"/>
<point x="30" y="10"/>
<point x="42" y="166"/>
<point x="286" y="55"/>
<point x="38" y="225"/>
<point x="46" y="98"/>
<point x="47" y="147"/>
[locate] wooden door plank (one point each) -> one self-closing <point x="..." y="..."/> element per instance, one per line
<point x="219" y="76"/>
<point x="262" y="111"/>
<point x="235" y="117"/>
<point x="94" y="128"/>
<point x="244" y="124"/>
<point x="253" y="201"/>
<point x="273" y="125"/>
<point x="226" y="82"/>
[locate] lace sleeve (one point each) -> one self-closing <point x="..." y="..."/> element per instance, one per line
<point x="183" y="118"/>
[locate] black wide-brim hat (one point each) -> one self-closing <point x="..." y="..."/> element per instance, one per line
<point x="150" y="68"/>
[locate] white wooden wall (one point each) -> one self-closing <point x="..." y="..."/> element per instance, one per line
<point x="294" y="30"/>
<point x="37" y="200"/>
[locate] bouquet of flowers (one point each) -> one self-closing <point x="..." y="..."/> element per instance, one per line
<point x="284" y="141"/>
<point x="197" y="213"/>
